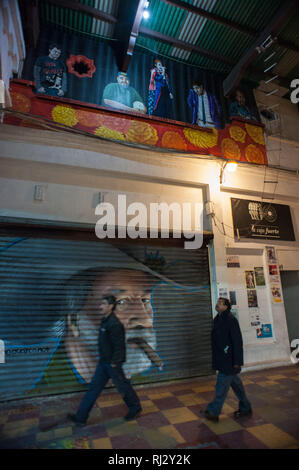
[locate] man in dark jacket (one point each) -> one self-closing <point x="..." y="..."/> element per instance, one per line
<point x="112" y="351"/>
<point x="227" y="358"/>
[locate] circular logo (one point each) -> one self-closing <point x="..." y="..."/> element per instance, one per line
<point x="270" y="213"/>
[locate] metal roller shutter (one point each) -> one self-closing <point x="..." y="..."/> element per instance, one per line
<point x="50" y="294"/>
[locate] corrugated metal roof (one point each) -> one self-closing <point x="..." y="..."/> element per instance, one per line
<point x="191" y="28"/>
<point x="80" y="21"/>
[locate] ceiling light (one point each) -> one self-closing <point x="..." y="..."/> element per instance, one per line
<point x="146" y="14"/>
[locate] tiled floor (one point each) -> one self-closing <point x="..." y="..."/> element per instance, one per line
<point x="170" y="419"/>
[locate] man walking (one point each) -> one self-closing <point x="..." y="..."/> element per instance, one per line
<point x="112" y="351"/>
<point x="227" y="358"/>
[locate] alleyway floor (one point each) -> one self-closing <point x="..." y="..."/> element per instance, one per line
<point x="170" y="418"/>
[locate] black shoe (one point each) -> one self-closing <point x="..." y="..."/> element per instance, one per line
<point x="73" y="418"/>
<point x="206" y="414"/>
<point x="133" y="414"/>
<point x="240" y="414"/>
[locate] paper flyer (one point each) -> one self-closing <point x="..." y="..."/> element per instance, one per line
<point x="233" y="261"/>
<point x="271" y="256"/>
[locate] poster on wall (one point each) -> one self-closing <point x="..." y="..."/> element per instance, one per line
<point x="121" y="95"/>
<point x="259" y="276"/>
<point x="235" y="313"/>
<point x="249" y="279"/>
<point x="252" y="298"/>
<point x="66" y="64"/>
<point x="265" y="331"/>
<point x="261" y="220"/>
<point x="271" y="256"/>
<point x="273" y="270"/>
<point x="51" y="332"/>
<point x="276" y="293"/>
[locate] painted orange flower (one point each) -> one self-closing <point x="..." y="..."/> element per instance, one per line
<point x="237" y="133"/>
<point x="64" y="115"/>
<point x="173" y="140"/>
<point x="254" y="154"/>
<point x="89" y="118"/>
<point x="107" y="133"/>
<point x="20" y="102"/>
<point x="201" y="139"/>
<point x="230" y="149"/>
<point x="142" y="133"/>
<point x="256" y="133"/>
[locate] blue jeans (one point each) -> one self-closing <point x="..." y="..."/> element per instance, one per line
<point x="103" y="373"/>
<point x="221" y="391"/>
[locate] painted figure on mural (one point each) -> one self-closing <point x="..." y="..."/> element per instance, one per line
<point x="160" y="93"/>
<point x="121" y="95"/>
<point x="204" y="106"/>
<point x="239" y="108"/>
<point x="50" y="73"/>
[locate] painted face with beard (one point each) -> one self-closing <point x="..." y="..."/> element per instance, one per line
<point x="132" y="291"/>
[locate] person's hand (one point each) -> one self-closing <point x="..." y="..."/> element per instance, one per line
<point x="41" y="90"/>
<point x="113" y="365"/>
<point x="60" y="93"/>
<point x="171" y="96"/>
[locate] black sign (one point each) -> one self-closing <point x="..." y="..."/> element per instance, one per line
<point x="256" y="219"/>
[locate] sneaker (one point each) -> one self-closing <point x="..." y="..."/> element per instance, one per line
<point x="133" y="414"/>
<point x="240" y="414"/>
<point x="206" y="414"/>
<point x="73" y="418"/>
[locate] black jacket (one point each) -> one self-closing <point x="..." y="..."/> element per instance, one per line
<point x="227" y="344"/>
<point x="112" y="345"/>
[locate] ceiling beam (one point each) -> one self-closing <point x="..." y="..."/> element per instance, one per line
<point x="280" y="18"/>
<point x="226" y="22"/>
<point x="30" y="21"/>
<point x="94" y="12"/>
<point x="185" y="45"/>
<point x="126" y="31"/>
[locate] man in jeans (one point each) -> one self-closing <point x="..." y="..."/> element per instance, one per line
<point x="227" y="355"/>
<point x="112" y="351"/>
